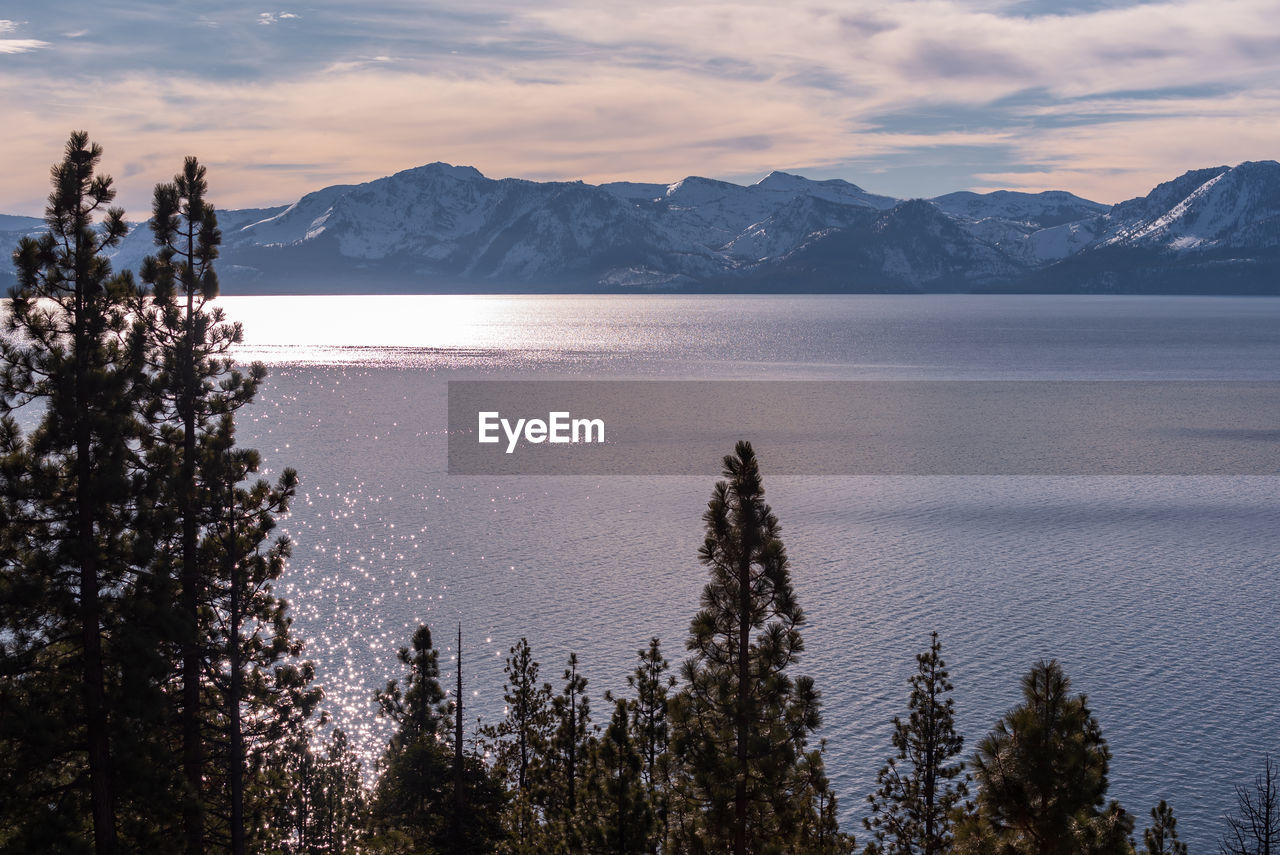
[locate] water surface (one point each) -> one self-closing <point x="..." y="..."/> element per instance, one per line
<point x="1158" y="594"/>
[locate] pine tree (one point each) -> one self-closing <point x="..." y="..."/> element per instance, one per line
<point x="417" y="805"/>
<point x="242" y="694"/>
<point x="820" y="833"/>
<point x="617" y="814"/>
<point x="741" y="723"/>
<point x="1042" y="777"/>
<point x="571" y="716"/>
<point x="71" y="345"/>
<point x="417" y="777"/>
<point x="519" y="746"/>
<point x="326" y="813"/>
<point x="1254" y="829"/>
<point x="189" y="342"/>
<point x="920" y="786"/>
<point x="650" y="726"/>
<point x="1162" y="837"/>
<point x="649" y="708"/>
<point x="261" y="693"/>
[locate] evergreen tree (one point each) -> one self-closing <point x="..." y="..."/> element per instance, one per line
<point x="519" y="746"/>
<point x="326" y="813"/>
<point x="649" y="708"/>
<point x="417" y="805"/>
<point x="741" y="723"/>
<point x="1162" y="837"/>
<point x="260" y="693"/>
<point x="70" y="555"/>
<point x="820" y="833"/>
<point x="571" y="716"/>
<point x="1042" y="778"/>
<point x="1255" y="827"/>
<point x="650" y="727"/>
<point x="419" y="710"/>
<point x="417" y="778"/>
<point x="189" y="341"/>
<point x="617" y="815"/>
<point x="241" y="692"/>
<point x="919" y="788"/>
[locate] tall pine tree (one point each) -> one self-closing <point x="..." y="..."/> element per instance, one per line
<point x="188" y="355"/>
<point x="261" y="692"/>
<point x="71" y="346"/>
<point x="520" y="746"/>
<point x="741" y="723"/>
<point x="241" y="692"/>
<point x="922" y="784"/>
<point x="571" y="714"/>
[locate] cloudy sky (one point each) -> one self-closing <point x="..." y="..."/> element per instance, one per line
<point x="910" y="98"/>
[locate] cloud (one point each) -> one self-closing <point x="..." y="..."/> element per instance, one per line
<point x="1094" y="97"/>
<point x="353" y="64"/>
<point x="12" y="46"/>
<point x="21" y="45"/>
<point x="268" y="18"/>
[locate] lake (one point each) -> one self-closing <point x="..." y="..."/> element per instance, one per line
<point x="1158" y="594"/>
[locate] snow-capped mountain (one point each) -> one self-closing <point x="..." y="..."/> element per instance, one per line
<point x="449" y="228"/>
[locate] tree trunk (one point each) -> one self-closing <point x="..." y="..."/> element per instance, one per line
<point x="94" y="673"/>
<point x="192" y="759"/>
<point x="457" y="754"/>
<point x="236" y="741"/>
<point x="744" y="692"/>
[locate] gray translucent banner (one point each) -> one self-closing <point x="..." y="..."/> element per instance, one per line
<point x="866" y="427"/>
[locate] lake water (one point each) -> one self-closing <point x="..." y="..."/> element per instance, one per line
<point x="1158" y="594"/>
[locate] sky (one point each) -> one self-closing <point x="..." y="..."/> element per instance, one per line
<point x="918" y="98"/>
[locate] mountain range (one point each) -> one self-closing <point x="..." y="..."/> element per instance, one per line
<point x="443" y="228"/>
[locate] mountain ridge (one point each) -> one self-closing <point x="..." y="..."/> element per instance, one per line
<point x="446" y="228"/>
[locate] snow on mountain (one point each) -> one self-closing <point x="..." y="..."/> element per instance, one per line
<point x="1221" y="207"/>
<point x="736" y="219"/>
<point x="788" y="226"/>
<point x="295" y="223"/>
<point x="1035" y="228"/>
<point x="448" y="227"/>
<point x="445" y="220"/>
<point x="1035" y="210"/>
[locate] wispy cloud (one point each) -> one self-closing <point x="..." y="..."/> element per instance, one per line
<point x="1102" y="98"/>
<point x="353" y="64"/>
<point x="269" y="18"/>
<point x="21" y="45"/>
<point x="10" y="46"/>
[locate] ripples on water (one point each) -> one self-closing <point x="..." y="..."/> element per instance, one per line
<point x="1157" y="594"/>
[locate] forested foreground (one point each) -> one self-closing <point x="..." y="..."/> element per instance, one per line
<point x="154" y="697"/>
